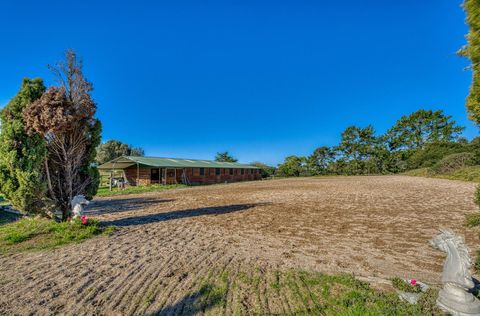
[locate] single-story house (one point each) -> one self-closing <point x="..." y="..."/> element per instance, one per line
<point x="155" y="170"/>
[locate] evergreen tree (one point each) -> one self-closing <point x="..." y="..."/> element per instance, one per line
<point x="319" y="161"/>
<point x="113" y="149"/>
<point x="225" y="157"/>
<point x="472" y="51"/>
<point x="293" y="166"/>
<point x="357" y="145"/>
<point x="22" y="156"/>
<point x="420" y="128"/>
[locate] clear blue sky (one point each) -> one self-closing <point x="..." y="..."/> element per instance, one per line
<point x="261" y="79"/>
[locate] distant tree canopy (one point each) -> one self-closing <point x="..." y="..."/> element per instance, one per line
<point x="418" y="140"/>
<point x="113" y="149"/>
<point x="265" y="170"/>
<point x="293" y="166"/>
<point x="420" y="128"/>
<point x="319" y="161"/>
<point x="225" y="157"/>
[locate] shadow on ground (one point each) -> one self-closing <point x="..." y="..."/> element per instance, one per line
<point x="7" y="217"/>
<point x="205" y="298"/>
<point x="166" y="216"/>
<point x="100" y="207"/>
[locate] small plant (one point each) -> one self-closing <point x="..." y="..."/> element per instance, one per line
<point x="411" y="286"/>
<point x="472" y="220"/>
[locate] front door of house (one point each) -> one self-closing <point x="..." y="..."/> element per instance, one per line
<point x="155" y="175"/>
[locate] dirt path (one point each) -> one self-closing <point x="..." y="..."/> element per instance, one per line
<point x="170" y="242"/>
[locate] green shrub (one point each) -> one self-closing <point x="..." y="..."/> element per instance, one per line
<point x="454" y="162"/>
<point x="432" y="153"/>
<point x="472" y="220"/>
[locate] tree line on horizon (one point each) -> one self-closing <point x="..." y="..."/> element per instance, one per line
<point x="418" y="140"/>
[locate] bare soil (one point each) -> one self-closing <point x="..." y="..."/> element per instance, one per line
<point x="169" y="243"/>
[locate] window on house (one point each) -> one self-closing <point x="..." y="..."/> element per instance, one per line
<point x="231" y="172"/>
<point x="196" y="171"/>
<point x="202" y="171"/>
<point x="217" y="171"/>
<point x="242" y="171"/>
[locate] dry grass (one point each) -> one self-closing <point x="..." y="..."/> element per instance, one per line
<point x="238" y="243"/>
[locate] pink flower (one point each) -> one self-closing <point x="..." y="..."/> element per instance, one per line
<point x="413" y="281"/>
<point x="84" y="219"/>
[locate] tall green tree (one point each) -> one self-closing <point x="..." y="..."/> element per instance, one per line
<point x="422" y="127"/>
<point x="472" y="51"/>
<point x="225" y="157"/>
<point x="21" y="155"/>
<point x="293" y="166"/>
<point x="320" y="160"/>
<point x="113" y="149"/>
<point x="357" y="145"/>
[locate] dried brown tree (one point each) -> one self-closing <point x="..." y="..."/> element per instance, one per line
<point x="64" y="116"/>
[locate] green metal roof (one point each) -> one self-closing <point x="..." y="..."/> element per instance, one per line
<point x="158" y="162"/>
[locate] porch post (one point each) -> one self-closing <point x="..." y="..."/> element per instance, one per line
<point x="138" y="174"/>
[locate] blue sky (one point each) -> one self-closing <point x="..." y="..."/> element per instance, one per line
<point x="261" y="79"/>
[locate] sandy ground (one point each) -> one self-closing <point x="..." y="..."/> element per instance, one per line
<point x="374" y="227"/>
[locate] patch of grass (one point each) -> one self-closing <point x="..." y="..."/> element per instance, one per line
<point x="36" y="234"/>
<point x="472" y="220"/>
<point x="308" y="293"/>
<point x="104" y="191"/>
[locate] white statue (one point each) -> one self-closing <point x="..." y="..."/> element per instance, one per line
<point x="77" y="203"/>
<point x="455" y="297"/>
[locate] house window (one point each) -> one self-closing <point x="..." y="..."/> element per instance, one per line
<point x="202" y="171"/>
<point x="231" y="172"/>
<point x="242" y="171"/>
<point x="217" y="171"/>
<point x="196" y="171"/>
<point x="254" y="171"/>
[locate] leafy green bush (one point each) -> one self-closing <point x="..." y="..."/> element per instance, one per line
<point x="432" y="153"/>
<point x="454" y="162"/>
